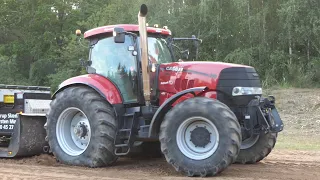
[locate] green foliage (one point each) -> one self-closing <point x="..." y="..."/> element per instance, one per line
<point x="240" y="56"/>
<point x="281" y="39"/>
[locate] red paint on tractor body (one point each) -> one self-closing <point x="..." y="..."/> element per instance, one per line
<point x="178" y="76"/>
<point x="101" y="84"/>
<point x="126" y="27"/>
<point x="173" y="78"/>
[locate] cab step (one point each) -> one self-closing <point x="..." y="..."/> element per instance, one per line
<point x="125" y="137"/>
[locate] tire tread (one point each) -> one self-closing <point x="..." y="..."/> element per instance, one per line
<point x="246" y="156"/>
<point x="102" y="152"/>
<point x="235" y="137"/>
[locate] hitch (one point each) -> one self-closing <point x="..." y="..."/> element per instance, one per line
<point x="262" y="115"/>
<point x="270" y="114"/>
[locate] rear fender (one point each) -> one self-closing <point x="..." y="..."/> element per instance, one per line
<point x="101" y="84"/>
<point x="165" y="107"/>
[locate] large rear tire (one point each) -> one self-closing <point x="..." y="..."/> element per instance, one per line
<point x="256" y="148"/>
<point x="200" y="137"/>
<point x="81" y="128"/>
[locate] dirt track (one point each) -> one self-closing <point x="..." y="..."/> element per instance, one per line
<point x="282" y="164"/>
<point x="300" y="110"/>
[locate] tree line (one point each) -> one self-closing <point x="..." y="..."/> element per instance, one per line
<point x="280" y="38"/>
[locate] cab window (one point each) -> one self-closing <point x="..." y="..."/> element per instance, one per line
<point x="158" y="51"/>
<point x="116" y="62"/>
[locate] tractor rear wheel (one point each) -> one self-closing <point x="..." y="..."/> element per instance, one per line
<point x="200" y="137"/>
<point x="81" y="128"/>
<point x="256" y="148"/>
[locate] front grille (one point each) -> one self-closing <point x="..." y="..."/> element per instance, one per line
<point x="236" y="76"/>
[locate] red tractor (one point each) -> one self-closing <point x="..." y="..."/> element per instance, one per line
<point x="204" y="115"/>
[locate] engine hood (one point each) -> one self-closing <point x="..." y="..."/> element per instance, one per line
<point x="208" y="63"/>
<point x="178" y="76"/>
<point x="206" y="67"/>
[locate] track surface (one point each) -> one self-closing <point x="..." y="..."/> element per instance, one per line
<point x="281" y="164"/>
<point x="299" y="108"/>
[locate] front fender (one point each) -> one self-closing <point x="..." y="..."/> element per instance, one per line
<point x="164" y="108"/>
<point x="101" y="84"/>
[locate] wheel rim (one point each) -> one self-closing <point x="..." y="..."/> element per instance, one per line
<point x="197" y="138"/>
<point x="249" y="142"/>
<point x="73" y="131"/>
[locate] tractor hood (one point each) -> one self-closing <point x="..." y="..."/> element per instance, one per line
<point x="178" y="76"/>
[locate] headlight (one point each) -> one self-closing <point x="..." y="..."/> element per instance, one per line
<point x="239" y="91"/>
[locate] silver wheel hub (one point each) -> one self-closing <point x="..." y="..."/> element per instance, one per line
<point x="197" y="138"/>
<point x="73" y="131"/>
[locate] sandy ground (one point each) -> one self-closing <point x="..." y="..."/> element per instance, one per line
<point x="281" y="164"/>
<point x="300" y="110"/>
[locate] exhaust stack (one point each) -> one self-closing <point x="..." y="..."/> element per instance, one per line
<point x="144" y="52"/>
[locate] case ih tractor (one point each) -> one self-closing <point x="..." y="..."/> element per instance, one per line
<point x="204" y="115"/>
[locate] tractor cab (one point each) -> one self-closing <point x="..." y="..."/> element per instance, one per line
<point x="116" y="56"/>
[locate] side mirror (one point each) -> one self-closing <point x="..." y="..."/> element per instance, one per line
<point x="119" y="35"/>
<point x="197" y="41"/>
<point x="185" y="54"/>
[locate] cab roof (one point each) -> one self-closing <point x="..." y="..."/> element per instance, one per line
<point x="126" y="27"/>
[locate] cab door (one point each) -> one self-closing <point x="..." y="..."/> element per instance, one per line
<point x="116" y="62"/>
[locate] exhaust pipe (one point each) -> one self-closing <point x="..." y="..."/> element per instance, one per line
<point x="144" y="52"/>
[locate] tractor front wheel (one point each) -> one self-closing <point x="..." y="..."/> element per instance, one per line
<point x="256" y="148"/>
<point x="81" y="128"/>
<point x="200" y="137"/>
